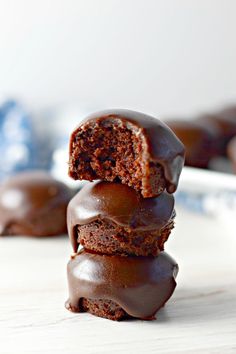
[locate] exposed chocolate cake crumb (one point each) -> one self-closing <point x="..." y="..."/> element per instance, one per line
<point x="109" y="238"/>
<point x="103" y="308"/>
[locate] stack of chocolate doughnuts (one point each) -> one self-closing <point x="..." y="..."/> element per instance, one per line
<point x="119" y="222"/>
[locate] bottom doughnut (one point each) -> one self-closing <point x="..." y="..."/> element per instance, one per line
<point x="119" y="287"/>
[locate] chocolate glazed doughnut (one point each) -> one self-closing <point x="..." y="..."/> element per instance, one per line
<point x="112" y="218"/>
<point x="225" y="122"/>
<point x="34" y="204"/>
<point x="198" y="139"/>
<point x="134" y="148"/>
<point x="117" y="287"/>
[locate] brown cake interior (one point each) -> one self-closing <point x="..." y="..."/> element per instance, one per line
<point x="110" y="151"/>
<point x="106" y="237"/>
<point x="103" y="308"/>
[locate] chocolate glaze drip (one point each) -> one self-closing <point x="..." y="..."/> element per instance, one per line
<point x="140" y="285"/>
<point x="159" y="144"/>
<point x="119" y="203"/>
<point x="30" y="197"/>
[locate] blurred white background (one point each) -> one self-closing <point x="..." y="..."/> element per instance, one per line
<point x="160" y="57"/>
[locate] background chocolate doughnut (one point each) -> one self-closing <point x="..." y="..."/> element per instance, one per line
<point x="33" y="204"/>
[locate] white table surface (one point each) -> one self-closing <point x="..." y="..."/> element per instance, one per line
<point x="200" y="317"/>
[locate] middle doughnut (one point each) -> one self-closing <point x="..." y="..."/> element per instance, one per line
<point x="112" y="218"/>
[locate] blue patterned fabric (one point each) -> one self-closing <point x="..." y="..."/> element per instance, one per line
<point x="217" y="203"/>
<point x="194" y="202"/>
<point x="17" y="140"/>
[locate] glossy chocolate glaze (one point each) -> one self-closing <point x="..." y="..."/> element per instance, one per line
<point x="159" y="144"/>
<point x="119" y="203"/>
<point x="33" y="203"/>
<point x="140" y="285"/>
